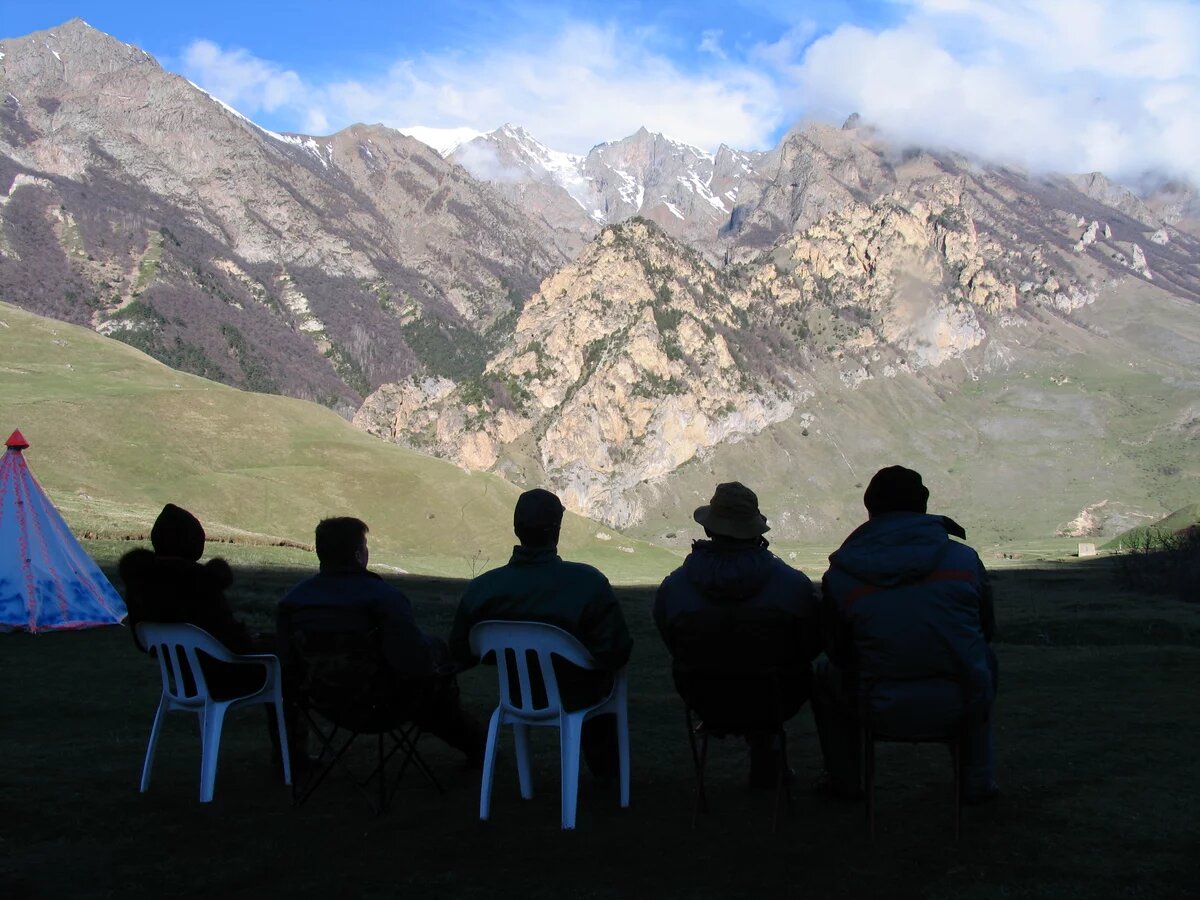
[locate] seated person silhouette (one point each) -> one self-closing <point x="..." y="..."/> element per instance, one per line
<point x="169" y="584"/>
<point x="536" y="585"/>
<point x="419" y="661"/>
<point x="737" y="606"/>
<point x="909" y="616"/>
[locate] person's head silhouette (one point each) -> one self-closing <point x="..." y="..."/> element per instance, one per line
<point x="342" y="543"/>
<point x="537" y="518"/>
<point x="895" y="489"/>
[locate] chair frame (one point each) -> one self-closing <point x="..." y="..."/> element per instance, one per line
<point x="514" y="641"/>
<point x="870" y="737"/>
<point x="336" y="739"/>
<point x="176" y="644"/>
<point x="698" y="735"/>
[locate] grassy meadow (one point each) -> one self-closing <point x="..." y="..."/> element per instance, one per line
<point x="114" y="435"/>
<point x="1097" y="725"/>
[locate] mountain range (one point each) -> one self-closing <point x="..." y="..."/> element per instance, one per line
<point x="628" y="324"/>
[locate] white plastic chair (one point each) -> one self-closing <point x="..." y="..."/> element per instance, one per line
<point x="176" y="645"/>
<point x="514" y="641"/>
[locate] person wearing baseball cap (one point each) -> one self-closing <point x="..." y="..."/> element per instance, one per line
<point x="911" y="619"/>
<point x="537" y="585"/>
<point x="734" y="601"/>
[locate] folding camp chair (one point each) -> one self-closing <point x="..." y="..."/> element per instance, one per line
<point x="184" y="689"/>
<point x="738" y="672"/>
<point x="893" y="732"/>
<point x="338" y="678"/>
<point x="529" y="648"/>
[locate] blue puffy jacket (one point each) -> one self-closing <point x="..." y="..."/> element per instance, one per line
<point x="749" y="578"/>
<point x="906" y="610"/>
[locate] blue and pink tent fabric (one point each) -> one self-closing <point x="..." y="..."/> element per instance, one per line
<point x="47" y="580"/>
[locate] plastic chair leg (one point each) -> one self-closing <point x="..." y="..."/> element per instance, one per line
<point x="210" y="747"/>
<point x="623" y="753"/>
<point x="524" y="767"/>
<point x="152" y="745"/>
<point x="869" y="778"/>
<point x="284" y="750"/>
<point x="489" y="767"/>
<point x="569" y="746"/>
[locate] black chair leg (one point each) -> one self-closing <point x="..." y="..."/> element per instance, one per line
<point x="781" y="780"/>
<point x="698" y="759"/>
<point x="868" y="741"/>
<point x="956" y="750"/>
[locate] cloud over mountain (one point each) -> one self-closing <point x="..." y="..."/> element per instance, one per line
<point x="1069" y="86"/>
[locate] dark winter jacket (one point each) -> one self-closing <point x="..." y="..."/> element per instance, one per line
<point x="538" y="586"/>
<point x="409" y="652"/>
<point x="715" y="576"/>
<point x="173" y="589"/>
<point x="908" y="613"/>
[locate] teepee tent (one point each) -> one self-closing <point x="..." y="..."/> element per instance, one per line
<point x="47" y="581"/>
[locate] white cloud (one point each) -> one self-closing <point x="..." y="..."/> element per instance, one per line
<point x="710" y="42"/>
<point x="240" y="79"/>
<point x="575" y="88"/>
<point x="1066" y="85"/>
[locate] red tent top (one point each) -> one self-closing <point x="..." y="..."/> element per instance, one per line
<point x="16" y="441"/>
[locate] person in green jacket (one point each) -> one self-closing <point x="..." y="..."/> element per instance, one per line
<point x="537" y="585"/>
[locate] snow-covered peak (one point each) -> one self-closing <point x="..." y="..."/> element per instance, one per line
<point x="444" y="140"/>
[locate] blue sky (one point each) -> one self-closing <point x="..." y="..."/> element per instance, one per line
<point x="1071" y="85"/>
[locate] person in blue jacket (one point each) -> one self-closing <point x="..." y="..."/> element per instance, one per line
<point x="732" y="581"/>
<point x="420" y="660"/>
<point x="909" y="619"/>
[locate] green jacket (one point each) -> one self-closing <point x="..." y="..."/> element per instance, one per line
<point x="537" y="585"/>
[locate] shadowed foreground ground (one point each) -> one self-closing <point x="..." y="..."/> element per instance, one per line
<point x="1098" y="730"/>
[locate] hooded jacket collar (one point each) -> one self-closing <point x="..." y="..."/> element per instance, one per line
<point x="728" y="574"/>
<point x="893" y="548"/>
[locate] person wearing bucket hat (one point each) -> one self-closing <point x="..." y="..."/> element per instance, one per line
<point x="733" y="597"/>
<point x="909" y="618"/>
<point x="537" y="585"/>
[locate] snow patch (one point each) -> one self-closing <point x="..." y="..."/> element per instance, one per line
<point x="444" y="140"/>
<point x="671" y="206"/>
<point x="304" y="142"/>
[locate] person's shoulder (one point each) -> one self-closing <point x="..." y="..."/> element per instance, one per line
<point x="783" y="569"/>
<point x="135" y="562"/>
<point x="218" y="573"/>
<point x="584" y="572"/>
<point x="483" y="583"/>
<point x="674" y="579"/>
<point x="299" y="592"/>
<point x="963" y="554"/>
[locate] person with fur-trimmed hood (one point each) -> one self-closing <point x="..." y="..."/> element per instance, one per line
<point x="733" y="581"/>
<point x="170" y="584"/>
<point x="909" y="619"/>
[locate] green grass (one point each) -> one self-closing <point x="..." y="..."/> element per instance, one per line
<point x="1097" y="726"/>
<point x="115" y="435"/>
<point x="1176" y="522"/>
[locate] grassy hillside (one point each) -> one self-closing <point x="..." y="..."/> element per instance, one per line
<point x="1181" y="519"/>
<point x="114" y="435"/>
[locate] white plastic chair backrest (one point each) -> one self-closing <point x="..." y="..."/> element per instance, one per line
<point x="175" y="644"/>
<point x="514" y="643"/>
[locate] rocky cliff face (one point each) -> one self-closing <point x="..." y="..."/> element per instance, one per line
<point x="854" y="263"/>
<point x="618" y="372"/>
<point x="365" y="253"/>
